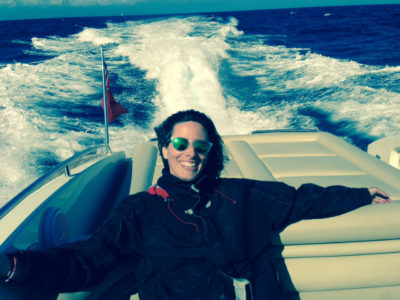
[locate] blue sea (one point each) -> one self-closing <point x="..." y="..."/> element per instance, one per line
<point x="334" y="69"/>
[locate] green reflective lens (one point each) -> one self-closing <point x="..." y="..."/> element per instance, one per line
<point x="180" y="144"/>
<point x="202" y="146"/>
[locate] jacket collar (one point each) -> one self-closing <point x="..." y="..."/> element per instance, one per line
<point x="179" y="190"/>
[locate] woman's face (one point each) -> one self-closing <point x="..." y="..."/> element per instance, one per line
<point x="186" y="164"/>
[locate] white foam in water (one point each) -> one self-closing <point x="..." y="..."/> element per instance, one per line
<point x="34" y="97"/>
<point x="375" y="111"/>
<point x="182" y="56"/>
<point x="185" y="62"/>
<point x="96" y="36"/>
<point x="185" y="67"/>
<point x="44" y="104"/>
<point x="283" y="69"/>
<point x="351" y="98"/>
<point x="42" y="109"/>
<point x="15" y="132"/>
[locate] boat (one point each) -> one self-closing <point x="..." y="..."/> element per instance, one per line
<point x="352" y="256"/>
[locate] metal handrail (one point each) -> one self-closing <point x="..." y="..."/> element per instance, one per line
<point x="63" y="167"/>
<point x="282" y="130"/>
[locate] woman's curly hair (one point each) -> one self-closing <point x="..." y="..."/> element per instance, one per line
<point x="216" y="156"/>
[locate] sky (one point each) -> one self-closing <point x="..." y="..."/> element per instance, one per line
<point x="35" y="9"/>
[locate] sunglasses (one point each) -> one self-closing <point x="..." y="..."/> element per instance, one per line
<point x="200" y="146"/>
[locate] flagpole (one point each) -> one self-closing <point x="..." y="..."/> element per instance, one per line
<point x="105" y="100"/>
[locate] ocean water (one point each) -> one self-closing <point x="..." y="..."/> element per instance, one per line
<point x="334" y="69"/>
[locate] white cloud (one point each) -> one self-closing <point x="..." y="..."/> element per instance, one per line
<point x="7" y="2"/>
<point x="66" y="2"/>
<point x="31" y="2"/>
<point x="99" y="2"/>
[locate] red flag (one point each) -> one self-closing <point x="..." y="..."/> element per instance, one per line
<point x="114" y="109"/>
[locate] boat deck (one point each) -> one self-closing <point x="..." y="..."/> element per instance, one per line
<point x="353" y="256"/>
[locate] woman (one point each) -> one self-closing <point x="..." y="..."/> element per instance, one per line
<point x="193" y="231"/>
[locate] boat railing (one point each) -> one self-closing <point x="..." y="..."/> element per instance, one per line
<point x="63" y="167"/>
<point x="282" y="130"/>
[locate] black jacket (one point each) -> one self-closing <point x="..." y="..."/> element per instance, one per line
<point x="187" y="245"/>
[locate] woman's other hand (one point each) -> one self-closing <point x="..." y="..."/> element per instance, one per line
<point x="378" y="196"/>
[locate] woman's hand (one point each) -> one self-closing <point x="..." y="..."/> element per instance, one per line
<point x="378" y="196"/>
